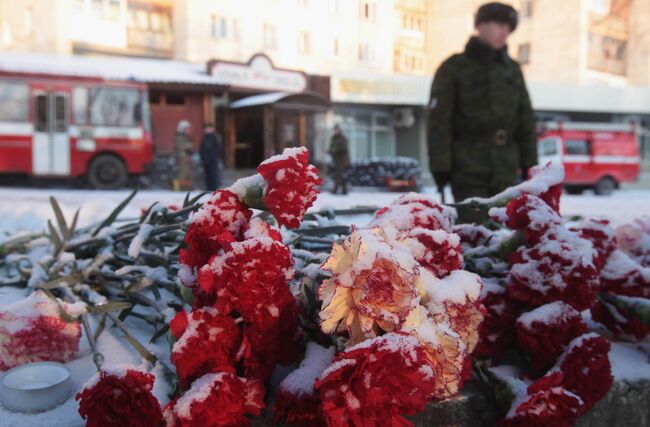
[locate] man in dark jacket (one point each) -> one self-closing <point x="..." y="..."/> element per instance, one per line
<point x="211" y="152"/>
<point x="340" y="159"/>
<point x="481" y="128"/>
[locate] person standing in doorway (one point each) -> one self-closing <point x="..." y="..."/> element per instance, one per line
<point x="211" y="152"/>
<point x="340" y="159"/>
<point x="481" y="127"/>
<point x="184" y="151"/>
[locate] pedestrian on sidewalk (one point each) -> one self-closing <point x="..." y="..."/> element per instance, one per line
<point x="481" y="127"/>
<point x="184" y="149"/>
<point x="211" y="152"/>
<point x="340" y="159"/>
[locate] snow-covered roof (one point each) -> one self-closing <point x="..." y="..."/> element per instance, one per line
<point x="273" y="97"/>
<point x="109" y="68"/>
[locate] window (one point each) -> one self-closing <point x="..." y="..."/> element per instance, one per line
<point x="115" y="107"/>
<point x="224" y="28"/>
<point x="576" y="147"/>
<point x="335" y="47"/>
<point x="524" y="53"/>
<point x="368" y="11"/>
<point x="14" y="102"/>
<point x="176" y="99"/>
<point x="366" y="53"/>
<point x="304" y="43"/>
<point x="270" y="36"/>
<point x="548" y="147"/>
<point x="80" y="105"/>
<point x="155" y="98"/>
<point x="526" y="9"/>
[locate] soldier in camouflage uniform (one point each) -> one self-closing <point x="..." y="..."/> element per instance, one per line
<point x="481" y="128"/>
<point x="340" y="159"/>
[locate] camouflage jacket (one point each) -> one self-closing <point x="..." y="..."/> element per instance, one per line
<point x="480" y="125"/>
<point x="339" y="150"/>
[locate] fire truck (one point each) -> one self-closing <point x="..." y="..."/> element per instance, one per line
<point x="598" y="156"/>
<point x="65" y="126"/>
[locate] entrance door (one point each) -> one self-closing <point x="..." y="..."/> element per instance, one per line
<point x="51" y="143"/>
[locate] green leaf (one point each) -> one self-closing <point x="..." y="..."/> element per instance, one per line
<point x="100" y="327"/>
<point x="186" y="200"/>
<point x="113" y="216"/>
<point x="146" y="354"/>
<point x="324" y="231"/>
<point x="60" y="219"/>
<point x="254" y="198"/>
<point x="73" y="226"/>
<point x="146" y="214"/>
<point x="139" y="285"/>
<point x="62" y="313"/>
<point x="636" y="307"/>
<point x="159" y="333"/>
<point x="54" y="236"/>
<point x="109" y="306"/>
<point x="55" y="283"/>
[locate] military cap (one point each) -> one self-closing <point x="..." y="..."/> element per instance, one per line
<point x="498" y="12"/>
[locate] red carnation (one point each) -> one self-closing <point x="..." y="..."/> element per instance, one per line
<point x="559" y="267"/>
<point x="619" y="322"/>
<point x="528" y="213"/>
<point x="291" y="185"/>
<point x="601" y="235"/>
<point x="634" y="239"/>
<point x="544" y="332"/>
<point x="472" y="235"/>
<point x="547" y="404"/>
<point x="623" y="275"/>
<point x="436" y="250"/>
<point x="412" y="211"/>
<point x="120" y="397"/>
<point x="551" y="179"/>
<point x="218" y="222"/>
<point x="496" y="332"/>
<point x="208" y="342"/>
<point x="586" y="369"/>
<point x="32" y="330"/>
<point x="375" y="381"/>
<point x="216" y="400"/>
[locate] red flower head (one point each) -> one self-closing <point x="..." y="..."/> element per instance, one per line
<point x="528" y="213"/>
<point x="547" y="404"/>
<point x="634" y="239"/>
<point x="496" y="333"/>
<point x="216" y="400"/>
<point x="552" y="188"/>
<point x="290" y="185"/>
<point x="586" y="369"/>
<point x="436" y="250"/>
<point x="601" y="235"/>
<point x="413" y="210"/>
<point x="544" y="332"/>
<point x="207" y="342"/>
<point x="559" y="267"/>
<point x="120" y="397"/>
<point x="220" y="221"/>
<point x="32" y="330"/>
<point x="619" y="322"/>
<point x="472" y="235"/>
<point x="296" y="401"/>
<point x="623" y="275"/>
<point x="375" y="381"/>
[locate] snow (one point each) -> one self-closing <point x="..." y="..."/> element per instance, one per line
<point x="301" y="381"/>
<point x="553" y="313"/>
<point x="136" y="244"/>
<point x="630" y="362"/>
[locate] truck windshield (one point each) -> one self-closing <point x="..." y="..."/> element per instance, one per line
<point x="119" y="107"/>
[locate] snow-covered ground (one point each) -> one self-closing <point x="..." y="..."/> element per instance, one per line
<point x="27" y="209"/>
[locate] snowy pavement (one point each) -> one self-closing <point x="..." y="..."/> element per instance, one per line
<point x="27" y="209"/>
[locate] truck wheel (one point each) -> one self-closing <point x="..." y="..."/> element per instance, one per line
<point x="107" y="172"/>
<point x="605" y="186"/>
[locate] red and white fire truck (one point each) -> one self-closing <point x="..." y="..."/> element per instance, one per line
<point x="74" y="127"/>
<point x="599" y="156"/>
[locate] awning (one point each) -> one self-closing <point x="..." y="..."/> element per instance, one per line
<point x="284" y="100"/>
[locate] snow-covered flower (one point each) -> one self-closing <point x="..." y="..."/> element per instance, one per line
<point x="290" y="187"/>
<point x="413" y="210"/>
<point x="207" y="341"/>
<point x="220" y="221"/>
<point x="216" y="400"/>
<point x="436" y="250"/>
<point x="376" y="382"/>
<point x="634" y="239"/>
<point x="34" y="329"/>
<point x="544" y="332"/>
<point x="601" y="235"/>
<point x="496" y="332"/>
<point x="120" y="397"/>
<point x="373" y="285"/>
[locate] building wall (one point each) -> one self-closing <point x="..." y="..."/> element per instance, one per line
<point x="165" y="118"/>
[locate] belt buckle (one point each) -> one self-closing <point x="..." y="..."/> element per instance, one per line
<point x="500" y="137"/>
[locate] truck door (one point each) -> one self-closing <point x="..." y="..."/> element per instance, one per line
<point x="51" y="142"/>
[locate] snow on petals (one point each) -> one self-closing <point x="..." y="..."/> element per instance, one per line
<point x="290" y="185"/>
<point x="33" y="329"/>
<point x="120" y="397"/>
<point x="216" y="400"/>
<point x="376" y="382"/>
<point x="413" y="210"/>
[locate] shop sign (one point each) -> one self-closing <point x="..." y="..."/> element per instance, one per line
<point x="258" y="74"/>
